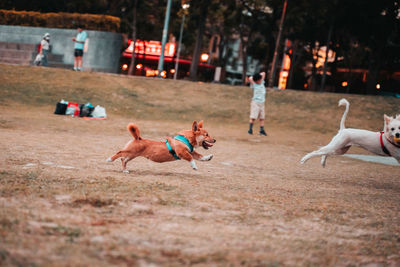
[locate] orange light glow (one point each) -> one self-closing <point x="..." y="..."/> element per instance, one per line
<point x="172" y="71"/>
<point x="286" y="62"/>
<point x="283" y="75"/>
<point x="378" y="86"/>
<point x="164" y="74"/>
<point x="125" y="67"/>
<point x="139" y="66"/>
<point x="151" y="73"/>
<point x="204" y="57"/>
<point x="344" y="84"/>
<point x="151" y="48"/>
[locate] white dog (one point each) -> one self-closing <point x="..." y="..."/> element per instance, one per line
<point x="386" y="143"/>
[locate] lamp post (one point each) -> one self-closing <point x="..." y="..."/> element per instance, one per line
<point x="164" y="38"/>
<point x="184" y="7"/>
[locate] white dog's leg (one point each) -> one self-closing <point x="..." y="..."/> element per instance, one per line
<point x="193" y="165"/>
<point x="323" y="151"/>
<point x="339" y="145"/>
<point x="207" y="158"/>
<point x="323" y="160"/>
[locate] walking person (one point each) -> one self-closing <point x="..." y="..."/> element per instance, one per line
<point x="257" y="107"/>
<point x="79" y="46"/>
<point x="44" y="49"/>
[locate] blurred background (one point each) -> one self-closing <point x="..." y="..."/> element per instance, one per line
<point x="317" y="45"/>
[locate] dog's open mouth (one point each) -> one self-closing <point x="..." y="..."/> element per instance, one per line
<point x="206" y="144"/>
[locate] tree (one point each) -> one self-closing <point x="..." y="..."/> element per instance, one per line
<point x="249" y="20"/>
<point x="202" y="8"/>
<point x="254" y="20"/>
<point x="132" y="66"/>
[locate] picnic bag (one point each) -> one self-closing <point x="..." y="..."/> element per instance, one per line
<point x="61" y="108"/>
<point x="99" y="112"/>
<point x="72" y="109"/>
<point x="85" y="110"/>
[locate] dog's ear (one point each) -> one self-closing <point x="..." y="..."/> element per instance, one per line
<point x="387" y="118"/>
<point x="398" y="117"/>
<point x="195" y="127"/>
<point x="387" y="121"/>
<point x="201" y="124"/>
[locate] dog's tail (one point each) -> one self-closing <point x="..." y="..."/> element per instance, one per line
<point x="134" y="130"/>
<point x="344" y="102"/>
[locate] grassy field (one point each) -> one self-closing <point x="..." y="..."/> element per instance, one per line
<point x="253" y="204"/>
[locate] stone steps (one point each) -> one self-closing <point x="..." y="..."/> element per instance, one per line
<point x="18" y="46"/>
<point x="17" y="54"/>
<point x="25" y="54"/>
<point x="14" y="61"/>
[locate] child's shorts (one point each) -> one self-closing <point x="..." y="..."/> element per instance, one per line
<point x="257" y="110"/>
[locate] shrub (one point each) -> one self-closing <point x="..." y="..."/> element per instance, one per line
<point x="60" y="20"/>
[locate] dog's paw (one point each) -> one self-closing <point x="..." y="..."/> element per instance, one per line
<point x="207" y="158"/>
<point x="193" y="165"/>
<point x="323" y="161"/>
<point x="109" y="160"/>
<point x="125" y="171"/>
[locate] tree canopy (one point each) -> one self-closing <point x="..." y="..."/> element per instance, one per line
<point x="364" y="35"/>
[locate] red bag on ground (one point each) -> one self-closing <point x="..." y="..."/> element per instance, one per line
<point x="72" y="109"/>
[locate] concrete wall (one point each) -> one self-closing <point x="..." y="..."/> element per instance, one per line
<point x="103" y="52"/>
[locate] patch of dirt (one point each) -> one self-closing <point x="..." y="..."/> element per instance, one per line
<point x="97" y="203"/>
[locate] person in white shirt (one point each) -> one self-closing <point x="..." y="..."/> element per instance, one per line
<point x="44" y="49"/>
<point x="257" y="107"/>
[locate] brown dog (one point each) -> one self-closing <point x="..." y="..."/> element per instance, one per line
<point x="178" y="147"/>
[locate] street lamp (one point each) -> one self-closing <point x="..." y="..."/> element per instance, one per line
<point x="204" y="57"/>
<point x="185" y="6"/>
<point x="164" y="38"/>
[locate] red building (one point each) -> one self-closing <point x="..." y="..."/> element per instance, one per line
<point x="147" y="55"/>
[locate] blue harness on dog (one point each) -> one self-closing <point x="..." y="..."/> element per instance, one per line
<point x="183" y="140"/>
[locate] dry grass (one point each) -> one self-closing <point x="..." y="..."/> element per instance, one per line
<point x="252" y="205"/>
<point x="154" y="99"/>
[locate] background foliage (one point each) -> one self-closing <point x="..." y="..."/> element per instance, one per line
<point x="364" y="35"/>
<point x="60" y="20"/>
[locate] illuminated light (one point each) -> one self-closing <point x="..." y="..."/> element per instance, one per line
<point x="139" y="66"/>
<point x="344" y="84"/>
<point x="151" y="73"/>
<point x="125" y="67"/>
<point x="283" y="75"/>
<point x="305" y="85"/>
<point x="171" y="49"/>
<point x="151" y="48"/>
<point x="286" y="62"/>
<point x="164" y="74"/>
<point x="378" y="86"/>
<point x="204" y="57"/>
<point x="172" y="71"/>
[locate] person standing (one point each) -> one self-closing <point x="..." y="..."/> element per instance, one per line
<point x="257" y="107"/>
<point x="44" y="49"/>
<point x="79" y="45"/>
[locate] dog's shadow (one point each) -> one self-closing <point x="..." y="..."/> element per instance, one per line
<point x="133" y="173"/>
